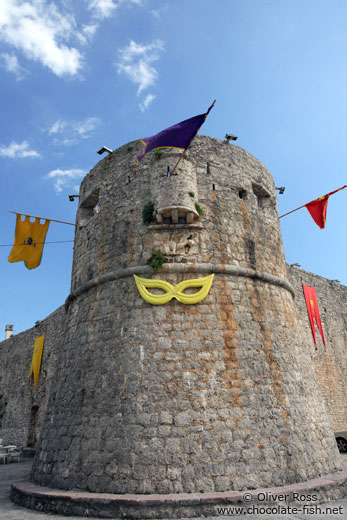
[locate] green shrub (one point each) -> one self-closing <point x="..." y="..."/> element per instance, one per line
<point x="156" y="260"/>
<point x="199" y="209"/>
<point x="192" y="194"/>
<point x="147" y="213"/>
<point x="158" y="153"/>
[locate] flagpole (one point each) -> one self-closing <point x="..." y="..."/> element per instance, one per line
<point x="43" y="218"/>
<point x="321" y="198"/>
<point x="289" y="212"/>
<point x="184" y="151"/>
<point x="181" y="157"/>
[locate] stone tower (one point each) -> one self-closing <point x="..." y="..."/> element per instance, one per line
<point x="179" y="397"/>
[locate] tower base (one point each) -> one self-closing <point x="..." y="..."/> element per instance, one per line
<point x="183" y="505"/>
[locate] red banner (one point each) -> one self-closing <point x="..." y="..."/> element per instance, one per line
<point x="318" y="208"/>
<point x="313" y="311"/>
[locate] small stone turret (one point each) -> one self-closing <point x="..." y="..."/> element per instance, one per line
<point x="8" y="331"/>
<point x="180" y="397"/>
<point x="175" y="195"/>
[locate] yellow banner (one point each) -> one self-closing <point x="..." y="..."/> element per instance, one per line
<point x="36" y="360"/>
<point x="28" y="241"/>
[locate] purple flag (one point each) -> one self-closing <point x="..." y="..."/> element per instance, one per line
<point x="176" y="136"/>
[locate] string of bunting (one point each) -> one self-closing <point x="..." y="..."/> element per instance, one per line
<point x="30" y="238"/>
<point x="49" y="242"/>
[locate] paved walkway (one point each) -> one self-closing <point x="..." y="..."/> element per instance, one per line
<point x="8" y="511"/>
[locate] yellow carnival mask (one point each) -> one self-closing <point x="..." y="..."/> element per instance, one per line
<point x="171" y="291"/>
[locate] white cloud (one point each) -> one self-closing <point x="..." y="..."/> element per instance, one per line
<point x="57" y="127"/>
<point x="87" y="33"/>
<point x="106" y="8"/>
<point x="18" y="151"/>
<point x="86" y="128"/>
<point x="146" y="102"/>
<point x="159" y="12"/>
<point x="64" y="178"/>
<point x="156" y="14"/>
<point x="41" y="32"/>
<point x="136" y="63"/>
<point x="11" y="64"/>
<point x="71" y="132"/>
<point x="102" y="8"/>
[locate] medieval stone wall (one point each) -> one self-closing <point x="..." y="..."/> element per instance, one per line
<point x="215" y="396"/>
<point x="22" y="408"/>
<point x="18" y="404"/>
<point x="330" y="362"/>
<point x="220" y="395"/>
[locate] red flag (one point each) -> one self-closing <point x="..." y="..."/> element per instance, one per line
<point x="313" y="311"/>
<point x="318" y="208"/>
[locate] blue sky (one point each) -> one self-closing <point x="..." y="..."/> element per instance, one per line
<point x="77" y="75"/>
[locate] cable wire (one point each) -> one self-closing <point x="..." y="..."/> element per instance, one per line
<point x="37" y="243"/>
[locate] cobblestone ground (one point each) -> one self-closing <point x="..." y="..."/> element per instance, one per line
<point x="15" y="471"/>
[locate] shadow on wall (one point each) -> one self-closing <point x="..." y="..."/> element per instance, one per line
<point x="33" y="424"/>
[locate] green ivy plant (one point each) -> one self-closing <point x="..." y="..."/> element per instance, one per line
<point x="147" y="213"/>
<point x="199" y="209"/>
<point x="156" y="260"/>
